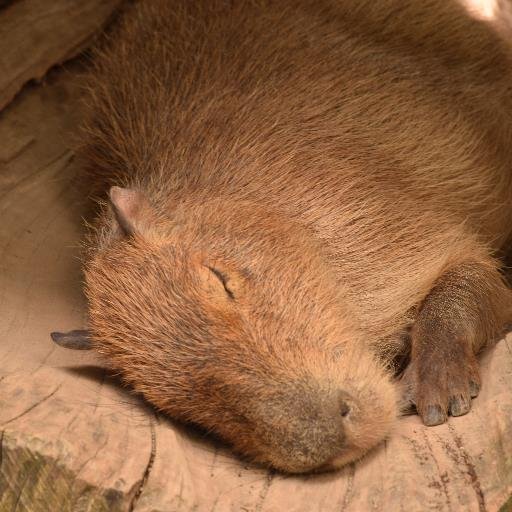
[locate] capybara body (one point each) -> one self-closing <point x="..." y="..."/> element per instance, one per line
<point x="301" y="192"/>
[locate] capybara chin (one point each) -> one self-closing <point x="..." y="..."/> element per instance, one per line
<point x="296" y="193"/>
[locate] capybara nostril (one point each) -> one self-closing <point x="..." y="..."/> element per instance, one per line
<point x="344" y="408"/>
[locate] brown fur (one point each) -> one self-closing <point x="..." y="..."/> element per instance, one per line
<point x="304" y="182"/>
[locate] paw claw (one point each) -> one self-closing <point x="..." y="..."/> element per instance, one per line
<point x="434" y="415"/>
<point x="459" y="406"/>
<point x="474" y="388"/>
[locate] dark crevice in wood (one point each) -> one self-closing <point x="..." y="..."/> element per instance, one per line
<point x="37" y="71"/>
<point x="441" y="483"/>
<point x="470" y="469"/>
<point x="264" y="490"/>
<point x="153" y="421"/>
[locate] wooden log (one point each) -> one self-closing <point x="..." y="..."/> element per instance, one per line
<point x="66" y="446"/>
<point x="72" y="439"/>
<point x="37" y="34"/>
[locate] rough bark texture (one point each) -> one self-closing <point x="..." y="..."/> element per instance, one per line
<point x="37" y="34"/>
<point x="71" y="439"/>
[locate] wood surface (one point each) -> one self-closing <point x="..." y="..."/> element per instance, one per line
<point x="73" y="439"/>
<point x="37" y="34"/>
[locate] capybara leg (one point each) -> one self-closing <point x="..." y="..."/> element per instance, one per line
<point x="465" y="310"/>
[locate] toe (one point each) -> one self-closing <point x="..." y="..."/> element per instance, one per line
<point x="433" y="415"/>
<point x="474" y="388"/>
<point x="459" y="405"/>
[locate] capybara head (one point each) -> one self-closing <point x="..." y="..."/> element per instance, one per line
<point x="229" y="317"/>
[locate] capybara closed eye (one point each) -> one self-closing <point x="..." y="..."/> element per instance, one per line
<point x="288" y="188"/>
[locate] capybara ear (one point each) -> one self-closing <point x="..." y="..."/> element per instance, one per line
<point x="77" y="339"/>
<point x="132" y="210"/>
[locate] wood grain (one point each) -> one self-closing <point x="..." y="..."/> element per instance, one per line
<point x="37" y="34"/>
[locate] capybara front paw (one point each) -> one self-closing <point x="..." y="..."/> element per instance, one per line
<point x="439" y="388"/>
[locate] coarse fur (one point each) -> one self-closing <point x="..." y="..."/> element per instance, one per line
<point x="309" y="190"/>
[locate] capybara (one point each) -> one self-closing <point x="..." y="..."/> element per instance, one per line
<point x="296" y="195"/>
